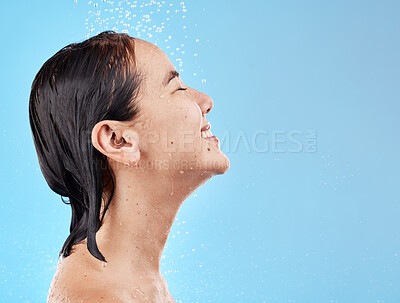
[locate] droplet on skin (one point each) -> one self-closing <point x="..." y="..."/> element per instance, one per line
<point x="181" y="172"/>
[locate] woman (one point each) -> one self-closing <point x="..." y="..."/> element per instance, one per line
<point x="118" y="133"/>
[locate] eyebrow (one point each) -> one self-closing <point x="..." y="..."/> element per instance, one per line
<point x="171" y="75"/>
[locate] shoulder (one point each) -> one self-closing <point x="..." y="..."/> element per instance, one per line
<point x="87" y="297"/>
<point x="65" y="291"/>
<point x="74" y="282"/>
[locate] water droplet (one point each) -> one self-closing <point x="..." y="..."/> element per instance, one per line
<point x="181" y="172"/>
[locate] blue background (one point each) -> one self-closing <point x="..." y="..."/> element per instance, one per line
<point x="307" y="105"/>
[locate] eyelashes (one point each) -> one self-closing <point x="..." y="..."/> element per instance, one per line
<point x="180" y="88"/>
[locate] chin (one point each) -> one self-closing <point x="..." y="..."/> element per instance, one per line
<point x="218" y="165"/>
<point x="209" y="162"/>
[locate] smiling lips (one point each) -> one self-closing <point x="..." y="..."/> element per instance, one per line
<point x="207" y="134"/>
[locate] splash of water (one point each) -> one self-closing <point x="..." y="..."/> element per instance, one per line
<point x="153" y="21"/>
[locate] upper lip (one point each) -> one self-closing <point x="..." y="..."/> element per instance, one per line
<point x="206" y="127"/>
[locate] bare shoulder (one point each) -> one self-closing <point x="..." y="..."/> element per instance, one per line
<point x="88" y="296"/>
<point x="75" y="282"/>
<point x="78" y="280"/>
<point x="101" y="294"/>
<point x="64" y="288"/>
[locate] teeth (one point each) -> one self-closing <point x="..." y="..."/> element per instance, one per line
<point x="206" y="134"/>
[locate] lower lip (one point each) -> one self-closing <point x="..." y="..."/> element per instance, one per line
<point x="213" y="138"/>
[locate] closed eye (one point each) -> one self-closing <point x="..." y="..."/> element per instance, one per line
<point x="182" y="88"/>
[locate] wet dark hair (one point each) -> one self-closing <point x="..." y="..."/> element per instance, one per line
<point x="82" y="84"/>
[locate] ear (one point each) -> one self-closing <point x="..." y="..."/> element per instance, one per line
<point x="116" y="141"/>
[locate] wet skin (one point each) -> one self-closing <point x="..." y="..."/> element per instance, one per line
<point x="147" y="195"/>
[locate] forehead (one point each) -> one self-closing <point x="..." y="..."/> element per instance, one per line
<point x="153" y="62"/>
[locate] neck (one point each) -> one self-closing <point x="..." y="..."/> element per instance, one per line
<point x="140" y="216"/>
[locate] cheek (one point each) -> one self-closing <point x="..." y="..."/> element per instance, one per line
<point x="187" y="115"/>
<point x="173" y="125"/>
<point x="183" y="123"/>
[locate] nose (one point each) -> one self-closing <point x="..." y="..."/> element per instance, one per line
<point x="205" y="102"/>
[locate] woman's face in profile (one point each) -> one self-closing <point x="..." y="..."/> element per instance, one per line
<point x="172" y="117"/>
